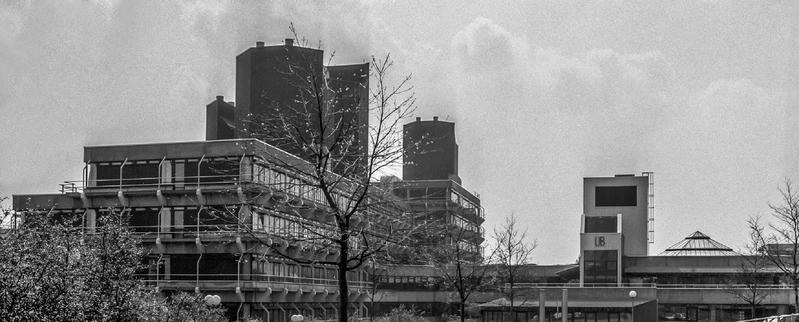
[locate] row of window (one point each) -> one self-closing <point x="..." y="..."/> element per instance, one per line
<point x="149" y="172"/>
<point x="463" y="224"/>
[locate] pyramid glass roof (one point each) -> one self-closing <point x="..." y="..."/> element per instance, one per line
<point x="698" y="244"/>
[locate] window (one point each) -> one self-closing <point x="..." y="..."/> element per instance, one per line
<point x="604" y="224"/>
<point x="600" y="266"/>
<point x="212" y="170"/>
<point x="623" y="196"/>
<point x="144" y="219"/>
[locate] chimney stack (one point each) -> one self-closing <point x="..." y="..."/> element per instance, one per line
<point x="289" y="42"/>
<point x="220" y="98"/>
<point x="418" y="119"/>
<point x="435" y="118"/>
<point x="259" y="44"/>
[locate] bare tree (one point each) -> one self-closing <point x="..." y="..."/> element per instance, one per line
<point x="513" y="251"/>
<point x="328" y="193"/>
<point x="747" y="285"/>
<point x="460" y="266"/>
<point x="779" y="243"/>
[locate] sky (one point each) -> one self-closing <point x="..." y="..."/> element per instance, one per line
<point x="703" y="93"/>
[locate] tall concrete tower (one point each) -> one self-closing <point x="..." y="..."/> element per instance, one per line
<point x="430" y="151"/>
<point x="614" y="225"/>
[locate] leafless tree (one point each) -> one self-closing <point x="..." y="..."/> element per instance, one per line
<point x="513" y="251"/>
<point x="460" y="267"/>
<point x="335" y="212"/>
<point x="747" y="284"/>
<point x="779" y="241"/>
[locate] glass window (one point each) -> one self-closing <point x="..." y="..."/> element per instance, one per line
<point x="600" y="266"/>
<point x="604" y="224"/>
<point x="623" y="196"/>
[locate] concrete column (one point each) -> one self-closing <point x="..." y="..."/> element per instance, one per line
<point x="167" y="267"/>
<point x="92" y="175"/>
<point x="91" y="220"/>
<point x="178" y="219"/>
<point x="166" y="222"/>
<point x="712" y="309"/>
<point x="180" y="174"/>
<point x="542" y="305"/>
<point x="565" y="309"/>
<point x="246" y="267"/>
<point x="166" y="171"/>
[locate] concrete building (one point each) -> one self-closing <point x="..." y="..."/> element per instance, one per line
<point x="695" y="279"/>
<point x="431" y="151"/>
<point x="213" y="213"/>
<point x="175" y="193"/>
<point x="283" y="88"/>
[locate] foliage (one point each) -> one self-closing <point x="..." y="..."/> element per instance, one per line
<point x="51" y="269"/>
<point x="403" y="314"/>
<point x="182" y="307"/>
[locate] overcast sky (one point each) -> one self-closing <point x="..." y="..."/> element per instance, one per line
<point x="703" y="93"/>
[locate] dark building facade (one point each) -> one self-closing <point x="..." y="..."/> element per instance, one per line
<point x="431" y="152"/>
<point x="349" y="87"/>
<point x="271" y="80"/>
<point x="219" y="120"/>
<point x="286" y="97"/>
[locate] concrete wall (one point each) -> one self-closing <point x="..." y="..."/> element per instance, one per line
<point x="634" y="219"/>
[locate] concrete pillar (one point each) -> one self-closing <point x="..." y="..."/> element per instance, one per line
<point x="167" y="267"/>
<point x="565" y="309"/>
<point x="712" y="309"/>
<point x="178" y="219"/>
<point x="166" y="171"/>
<point x="180" y="175"/>
<point x="166" y="222"/>
<point x="542" y="305"/>
<point x="91" y="220"/>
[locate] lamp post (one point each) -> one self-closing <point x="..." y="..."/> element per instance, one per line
<point x="212" y="300"/>
<point x="633" y="295"/>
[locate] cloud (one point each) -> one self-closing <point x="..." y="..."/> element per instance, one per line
<point x="536" y="117"/>
<point x="77" y="73"/>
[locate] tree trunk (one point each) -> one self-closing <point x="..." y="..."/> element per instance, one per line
<point x="753" y="311"/>
<point x="343" y="290"/>
<point x="512" y="314"/>
<point x="463" y="311"/>
<point x="795" y="296"/>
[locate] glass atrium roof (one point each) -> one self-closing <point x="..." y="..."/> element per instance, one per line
<point x="698" y="244"/>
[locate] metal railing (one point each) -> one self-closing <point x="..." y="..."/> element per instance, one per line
<point x="586" y="285"/>
<point x="650" y="285"/>
<point x="776" y="318"/>
<point x="249" y="278"/>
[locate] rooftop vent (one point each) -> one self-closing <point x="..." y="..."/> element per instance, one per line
<point x="220" y="98"/>
<point x="418" y="119"/>
<point x="435" y="118"/>
<point x="259" y="44"/>
<point x="289" y="42"/>
<point x="625" y="175"/>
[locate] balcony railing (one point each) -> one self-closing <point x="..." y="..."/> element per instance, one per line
<point x="651" y="285"/>
<point x="776" y="318"/>
<point x="249" y="278"/>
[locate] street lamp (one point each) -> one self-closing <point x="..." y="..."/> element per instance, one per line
<point x="633" y="295"/>
<point x="297" y="318"/>
<point x="212" y="300"/>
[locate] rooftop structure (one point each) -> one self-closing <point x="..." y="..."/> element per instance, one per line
<point x="698" y="244"/>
